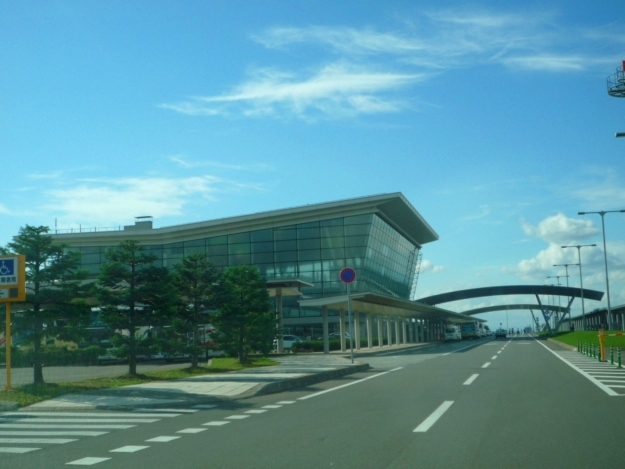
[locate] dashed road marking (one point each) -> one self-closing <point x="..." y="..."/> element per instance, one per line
<point x="486" y="365"/>
<point x="470" y="380"/>
<point x="433" y="417"/>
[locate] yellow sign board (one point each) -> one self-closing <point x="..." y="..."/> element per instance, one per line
<point x="12" y="278"/>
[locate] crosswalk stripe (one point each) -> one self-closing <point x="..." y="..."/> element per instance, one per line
<point x="57" y="433"/>
<point x="37" y="441"/>
<point x="47" y="425"/>
<point x="17" y="450"/>
<point x="156" y="411"/>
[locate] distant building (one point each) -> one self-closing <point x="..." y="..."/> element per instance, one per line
<point x="379" y="236"/>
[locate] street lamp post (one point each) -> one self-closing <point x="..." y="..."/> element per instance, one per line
<point x="605" y="257"/>
<point x="566" y="267"/>
<point x="581" y="281"/>
<point x="558" y="277"/>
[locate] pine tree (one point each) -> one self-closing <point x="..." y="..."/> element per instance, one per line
<point x="55" y="306"/>
<point x="133" y="294"/>
<point x="195" y="280"/>
<point x="244" y="322"/>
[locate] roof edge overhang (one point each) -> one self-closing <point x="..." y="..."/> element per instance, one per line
<point x="394" y="208"/>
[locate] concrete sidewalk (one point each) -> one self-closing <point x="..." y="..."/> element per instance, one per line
<point x="295" y="370"/>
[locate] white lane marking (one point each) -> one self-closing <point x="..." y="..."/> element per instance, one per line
<point x="471" y="379"/>
<point x="498" y="352"/>
<point x="61" y="433"/>
<point x="204" y="406"/>
<point x="179" y="411"/>
<point x="44" y="420"/>
<point x="286" y="402"/>
<point x="434" y="416"/>
<point x="348" y="384"/>
<point x="597" y="383"/>
<point x="215" y="423"/>
<point x="271" y="406"/>
<point x="486" y="365"/>
<point x="87" y="461"/>
<point x="128" y="449"/>
<point x="162" y="439"/>
<point x="494" y="357"/>
<point x="37" y="441"/>
<point x="17" y="450"/>
<point x="46" y="425"/>
<point x="129" y="415"/>
<point x="237" y="417"/>
<point x="616" y="386"/>
<point x="256" y="411"/>
<point x="192" y="430"/>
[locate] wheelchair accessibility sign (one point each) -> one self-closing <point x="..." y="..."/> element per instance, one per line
<point x="12" y="278"/>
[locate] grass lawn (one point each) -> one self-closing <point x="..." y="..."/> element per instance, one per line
<point x="571" y="338"/>
<point x="30" y="394"/>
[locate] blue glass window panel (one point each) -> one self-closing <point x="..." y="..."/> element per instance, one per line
<point x="194" y="250"/>
<point x="217" y="250"/>
<point x="217" y="240"/>
<point x="286" y="256"/>
<point x="353" y="230"/>
<point x="304" y="244"/>
<point x="240" y="259"/>
<point x="312" y="224"/>
<point x="284" y="234"/>
<point x="307" y="233"/>
<point x="331" y="231"/>
<point x="358" y="219"/>
<point x="218" y="261"/>
<point x="337" y="242"/>
<point x="335" y="253"/>
<point x="90" y="250"/>
<point x="195" y="242"/>
<point x="313" y="255"/>
<point x="261" y="235"/>
<point x="355" y="252"/>
<point x="239" y="238"/>
<point x="285" y="245"/>
<point x="90" y="258"/>
<point x="239" y="249"/>
<point x="262" y="247"/>
<point x="352" y="241"/>
<point x="262" y="258"/>
<point x="173" y="251"/>
<point x="331" y="222"/>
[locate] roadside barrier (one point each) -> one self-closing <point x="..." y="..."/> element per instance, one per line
<point x="602" y="346"/>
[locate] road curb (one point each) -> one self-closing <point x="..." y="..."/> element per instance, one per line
<point x="557" y="342"/>
<point x="284" y="385"/>
<point x="8" y="405"/>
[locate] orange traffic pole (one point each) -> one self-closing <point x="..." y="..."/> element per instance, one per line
<point x="7" y="344"/>
<point x="601" y="347"/>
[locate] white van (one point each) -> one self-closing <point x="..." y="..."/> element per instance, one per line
<point x="452" y="332"/>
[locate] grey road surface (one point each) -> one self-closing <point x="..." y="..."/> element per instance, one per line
<point x="512" y="404"/>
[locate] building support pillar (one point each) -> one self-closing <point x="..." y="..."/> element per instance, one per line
<point x="369" y="331"/>
<point x="357" y="330"/>
<point x="342" y="328"/>
<point x="279" y="320"/>
<point x="326" y="340"/>
<point x="397" y="339"/>
<point x="380" y="330"/>
<point x="404" y="327"/>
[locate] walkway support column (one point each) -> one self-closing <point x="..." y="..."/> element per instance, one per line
<point x="326" y="340"/>
<point x="342" y="328"/>
<point x="369" y="331"/>
<point x="280" y="347"/>
<point x="397" y="330"/>
<point x="357" y="330"/>
<point x="404" y="330"/>
<point x="380" y="330"/>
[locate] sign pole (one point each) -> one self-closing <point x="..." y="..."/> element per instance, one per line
<point x="7" y="344"/>
<point x="351" y="325"/>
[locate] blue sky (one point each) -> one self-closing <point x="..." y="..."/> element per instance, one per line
<point x="492" y="118"/>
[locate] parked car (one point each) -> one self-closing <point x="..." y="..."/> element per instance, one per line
<point x="335" y="336"/>
<point x="287" y="341"/>
<point x="500" y="333"/>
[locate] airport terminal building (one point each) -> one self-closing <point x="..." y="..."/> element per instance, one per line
<point x="300" y="251"/>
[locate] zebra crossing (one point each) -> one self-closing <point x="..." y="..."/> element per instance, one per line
<point x="26" y="431"/>
<point x="606" y="376"/>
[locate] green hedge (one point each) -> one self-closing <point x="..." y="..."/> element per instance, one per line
<point x="54" y="356"/>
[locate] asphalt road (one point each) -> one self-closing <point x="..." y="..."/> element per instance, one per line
<point x="526" y="409"/>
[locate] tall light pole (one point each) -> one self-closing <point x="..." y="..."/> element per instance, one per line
<point x="566" y="267"/>
<point x="581" y="281"/>
<point x="558" y="277"/>
<point x="605" y="257"/>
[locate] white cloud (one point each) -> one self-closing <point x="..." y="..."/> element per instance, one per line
<point x="52" y="175"/>
<point x="104" y="202"/>
<point x="428" y="266"/>
<point x="189" y="164"/>
<point x="483" y="212"/>
<point x="560" y="229"/>
<point x="4" y="210"/>
<point x="335" y="90"/>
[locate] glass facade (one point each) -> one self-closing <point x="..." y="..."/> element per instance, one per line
<point x="315" y="252"/>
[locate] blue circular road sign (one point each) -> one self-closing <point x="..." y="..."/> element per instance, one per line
<point x="348" y="275"/>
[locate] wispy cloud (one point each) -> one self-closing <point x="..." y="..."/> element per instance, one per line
<point x="560" y="229"/>
<point x="337" y="89"/>
<point x="104" y="202"/>
<point x="52" y="175"/>
<point x="484" y="211"/>
<point x="4" y="210"/>
<point x="189" y="164"/>
<point x="367" y="70"/>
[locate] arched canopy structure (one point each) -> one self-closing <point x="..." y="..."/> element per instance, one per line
<point x="511" y="290"/>
<point x="490" y="309"/>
